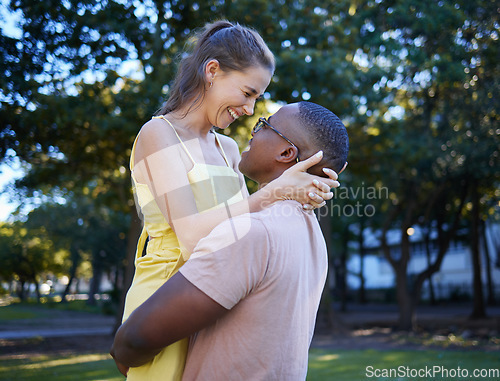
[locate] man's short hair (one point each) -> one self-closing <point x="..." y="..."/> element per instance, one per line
<point x="327" y="133"/>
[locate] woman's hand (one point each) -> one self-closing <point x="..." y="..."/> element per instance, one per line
<point x="310" y="190"/>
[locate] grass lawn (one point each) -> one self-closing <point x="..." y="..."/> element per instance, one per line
<point x="17" y="312"/>
<point x="404" y="365"/>
<point x="30" y="310"/>
<point x="323" y="365"/>
<point x="83" y="367"/>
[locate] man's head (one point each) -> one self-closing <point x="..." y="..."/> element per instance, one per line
<point x="297" y="130"/>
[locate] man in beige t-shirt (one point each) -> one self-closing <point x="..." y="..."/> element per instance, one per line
<point x="249" y="294"/>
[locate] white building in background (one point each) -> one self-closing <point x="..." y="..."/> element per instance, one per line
<point x="454" y="277"/>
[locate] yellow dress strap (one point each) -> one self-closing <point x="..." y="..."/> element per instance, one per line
<point x="176" y="134"/>
<point x="222" y="149"/>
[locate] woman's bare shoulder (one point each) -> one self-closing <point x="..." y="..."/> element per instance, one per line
<point x="154" y="135"/>
<point x="157" y="132"/>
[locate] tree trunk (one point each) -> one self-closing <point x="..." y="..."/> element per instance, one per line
<point x="342" y="271"/>
<point x="406" y="306"/>
<point x="432" y="294"/>
<point x="75" y="261"/>
<point x="20" y="290"/>
<point x="478" y="310"/>
<point x="406" y="302"/>
<point x="495" y="243"/>
<point x="117" y="282"/>
<point x="95" y="283"/>
<point x="487" y="258"/>
<point x="362" y="293"/>
<point x="132" y="237"/>
<point x="37" y="290"/>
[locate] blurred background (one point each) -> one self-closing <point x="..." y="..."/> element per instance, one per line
<point x="416" y="82"/>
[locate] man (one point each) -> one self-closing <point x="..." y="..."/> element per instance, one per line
<point x="250" y="291"/>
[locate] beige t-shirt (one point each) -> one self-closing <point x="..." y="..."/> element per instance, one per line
<point x="269" y="268"/>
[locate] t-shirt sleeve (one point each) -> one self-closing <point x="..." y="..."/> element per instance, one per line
<point x="231" y="261"/>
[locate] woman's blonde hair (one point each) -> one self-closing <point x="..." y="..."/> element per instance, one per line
<point x="235" y="47"/>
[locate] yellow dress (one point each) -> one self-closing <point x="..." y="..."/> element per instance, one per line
<point x="213" y="186"/>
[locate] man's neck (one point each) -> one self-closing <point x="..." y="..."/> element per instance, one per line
<point x="270" y="176"/>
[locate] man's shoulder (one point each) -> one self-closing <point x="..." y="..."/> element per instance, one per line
<point x="289" y="216"/>
<point x="238" y="230"/>
<point x="260" y="225"/>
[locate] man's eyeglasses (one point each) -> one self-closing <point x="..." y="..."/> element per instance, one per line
<point x="263" y="122"/>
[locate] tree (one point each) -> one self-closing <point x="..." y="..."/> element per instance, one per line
<point x="86" y="233"/>
<point x="414" y="81"/>
<point x="26" y="258"/>
<point x="432" y="153"/>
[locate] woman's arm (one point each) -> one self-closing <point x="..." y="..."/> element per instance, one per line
<point x="162" y="164"/>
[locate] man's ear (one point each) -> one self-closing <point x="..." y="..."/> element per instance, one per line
<point x="288" y="155"/>
<point x="211" y="68"/>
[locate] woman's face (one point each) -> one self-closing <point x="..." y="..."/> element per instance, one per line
<point x="234" y="93"/>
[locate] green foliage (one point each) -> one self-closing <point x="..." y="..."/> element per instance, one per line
<point x="85" y="230"/>
<point x="24" y="255"/>
<point x="415" y="81"/>
<point x="55" y="237"/>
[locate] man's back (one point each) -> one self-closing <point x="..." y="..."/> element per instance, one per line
<point x="271" y="277"/>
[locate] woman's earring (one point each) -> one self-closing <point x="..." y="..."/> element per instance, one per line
<point x="211" y="83"/>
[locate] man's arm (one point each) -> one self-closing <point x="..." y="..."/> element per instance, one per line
<point x="175" y="311"/>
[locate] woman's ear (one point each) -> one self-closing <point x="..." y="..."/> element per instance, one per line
<point x="288" y="155"/>
<point x="211" y="69"/>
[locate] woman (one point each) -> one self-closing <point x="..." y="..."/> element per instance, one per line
<point x="186" y="177"/>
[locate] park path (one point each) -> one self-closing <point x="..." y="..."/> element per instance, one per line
<point x="354" y="328"/>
